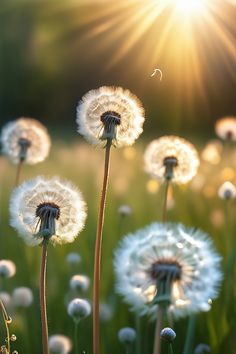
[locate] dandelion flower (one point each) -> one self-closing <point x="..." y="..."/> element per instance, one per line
<point x="22" y="297"/>
<point x="227" y="191"/>
<point x="226" y="128"/>
<point x="59" y="344"/>
<point x="51" y="208"/>
<point x="79" y="309"/>
<point x="182" y="258"/>
<point x="110" y="113"/>
<point x="79" y="282"/>
<point x="7" y="268"/>
<point x="25" y="139"/>
<point x="171" y="158"/>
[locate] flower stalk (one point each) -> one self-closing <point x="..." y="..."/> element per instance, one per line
<point x="42" y="288"/>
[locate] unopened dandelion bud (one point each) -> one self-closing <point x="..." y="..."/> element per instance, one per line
<point x="127" y="335"/>
<point x="168" y="334"/>
<point x="202" y="349"/>
<point x="7" y="268"/>
<point x="227" y="191"/>
<point x="79" y="309"/>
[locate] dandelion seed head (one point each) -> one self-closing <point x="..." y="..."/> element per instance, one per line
<point x="59" y="344"/>
<point x="127" y="335"/>
<point x="187" y="254"/>
<point x="226" y="128"/>
<point x="106" y="312"/>
<point x="79" y="309"/>
<point x="6" y="299"/>
<point x="73" y="258"/>
<point x="171" y="152"/>
<point x="110" y="113"/>
<point x="167" y="334"/>
<point x="47" y="205"/>
<point x="7" y="268"/>
<point x="227" y="191"/>
<point x="202" y="349"/>
<point x="22" y="297"/>
<point x="25" y="139"/>
<point x="124" y="210"/>
<point x="79" y="282"/>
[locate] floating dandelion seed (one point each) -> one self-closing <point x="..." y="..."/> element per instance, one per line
<point x="167" y="253"/>
<point x="155" y="71"/>
<point x="226" y="128"/>
<point x="110" y="113"/>
<point x="22" y="297"/>
<point x="7" y="268"/>
<point x="227" y="191"/>
<point x="49" y="208"/>
<point x="171" y="158"/>
<point x="59" y="344"/>
<point x="43" y="211"/>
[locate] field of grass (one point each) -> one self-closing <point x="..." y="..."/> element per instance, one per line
<point x="196" y="205"/>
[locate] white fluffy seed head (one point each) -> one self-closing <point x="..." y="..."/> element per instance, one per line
<point x="6" y="299"/>
<point x="79" y="282"/>
<point x="171" y="147"/>
<point x="106" y="312"/>
<point x="28" y="196"/>
<point x="79" y="309"/>
<point x="22" y="297"/>
<point x="168" y="243"/>
<point x="59" y="344"/>
<point x="7" y="268"/>
<point x="226" y="128"/>
<point x="124" y="210"/>
<point x="127" y="335"/>
<point x="73" y="258"/>
<point x="110" y="99"/>
<point x="227" y="191"/>
<point x="168" y="334"/>
<point x="33" y="132"/>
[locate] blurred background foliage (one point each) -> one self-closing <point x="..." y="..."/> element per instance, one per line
<point x="51" y="53"/>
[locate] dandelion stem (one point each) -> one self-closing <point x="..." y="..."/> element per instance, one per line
<point x="190" y="334"/>
<point x="138" y="330"/>
<point x="18" y="172"/>
<point x="97" y="257"/>
<point x="42" y="290"/>
<point x="164" y="215"/>
<point x="159" y="321"/>
<point x="76" y="338"/>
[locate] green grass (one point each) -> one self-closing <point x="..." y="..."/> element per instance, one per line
<point x="83" y="165"/>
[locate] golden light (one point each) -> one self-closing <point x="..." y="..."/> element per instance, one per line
<point x="190" y="7"/>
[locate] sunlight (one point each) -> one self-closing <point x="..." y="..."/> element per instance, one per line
<point x="190" y="7"/>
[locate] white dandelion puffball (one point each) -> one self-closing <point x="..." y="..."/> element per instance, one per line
<point x="73" y="258"/>
<point x="7" y="268"/>
<point x="59" y="344"/>
<point x="127" y="335"/>
<point x="106" y="312"/>
<point x="110" y="112"/>
<point x="6" y="299"/>
<point x="25" y="139"/>
<point x="227" y="191"/>
<point x="22" y="297"/>
<point x="79" y="309"/>
<point x="79" y="282"/>
<point x="124" y="210"/>
<point x="51" y="207"/>
<point x="178" y="152"/>
<point x="187" y="253"/>
<point x="226" y="128"/>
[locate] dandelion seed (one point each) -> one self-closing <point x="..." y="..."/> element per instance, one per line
<point x="110" y="113"/>
<point x="155" y="71"/>
<point x="7" y="268"/>
<point x="171" y="158"/>
<point x="59" y="344"/>
<point x="227" y="191"/>
<point x="22" y="297"/>
<point x="226" y="128"/>
<point x="79" y="283"/>
<point x="25" y="139"/>
<point x="152" y="255"/>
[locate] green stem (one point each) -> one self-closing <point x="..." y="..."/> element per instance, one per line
<point x="170" y="349"/>
<point x="42" y="293"/>
<point x="18" y="172"/>
<point x="188" y="346"/>
<point x="76" y="338"/>
<point x="138" y="331"/>
<point x="157" y="339"/>
<point x="164" y="212"/>
<point x="97" y="257"/>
